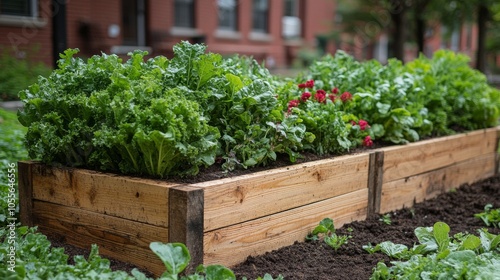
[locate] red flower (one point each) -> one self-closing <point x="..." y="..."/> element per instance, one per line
<point x="306" y="95"/>
<point x="335" y="90"/>
<point x="353" y="123"/>
<point x="363" y="124"/>
<point x="346" y="96"/>
<point x="367" y="142"/>
<point x="310" y="84"/>
<point x="320" y="96"/>
<point x="302" y="85"/>
<point x="292" y="103"/>
<point x="332" y="97"/>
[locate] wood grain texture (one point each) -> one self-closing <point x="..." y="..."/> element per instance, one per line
<point x="247" y="197"/>
<point x="25" y="189"/>
<point x="233" y="244"/>
<point x="117" y="238"/>
<point x="408" y="191"/>
<point x="133" y="198"/>
<point x="420" y="157"/>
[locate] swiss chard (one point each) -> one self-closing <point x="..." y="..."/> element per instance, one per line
<point x="464" y="256"/>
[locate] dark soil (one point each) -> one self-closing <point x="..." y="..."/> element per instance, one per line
<point x="315" y="260"/>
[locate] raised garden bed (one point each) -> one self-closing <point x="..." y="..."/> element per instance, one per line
<point x="225" y="221"/>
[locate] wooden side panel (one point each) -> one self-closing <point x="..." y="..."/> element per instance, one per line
<point x="244" y="198"/>
<point x="117" y="238"/>
<point x="136" y="199"/>
<point x="405" y="192"/>
<point x="420" y="157"/>
<point x="233" y="244"/>
<point x="25" y="193"/>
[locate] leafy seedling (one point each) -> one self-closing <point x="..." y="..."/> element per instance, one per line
<point x="326" y="230"/>
<point x="386" y="219"/>
<point x="490" y="217"/>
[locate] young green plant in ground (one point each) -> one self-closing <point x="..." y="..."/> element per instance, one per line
<point x="386" y="219"/>
<point x="326" y="231"/>
<point x="439" y="256"/>
<point x="28" y="254"/>
<point x="12" y="150"/>
<point x="176" y="257"/>
<point x="490" y="217"/>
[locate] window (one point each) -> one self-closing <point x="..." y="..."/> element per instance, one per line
<point x="291" y="8"/>
<point x="184" y="13"/>
<point x="260" y="16"/>
<point x="133" y="22"/>
<point x="291" y="21"/>
<point x="228" y="14"/>
<point x="26" y="8"/>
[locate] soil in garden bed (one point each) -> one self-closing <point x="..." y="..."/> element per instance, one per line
<point x="315" y="260"/>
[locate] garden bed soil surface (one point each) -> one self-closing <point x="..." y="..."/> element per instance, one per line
<point x="316" y="260"/>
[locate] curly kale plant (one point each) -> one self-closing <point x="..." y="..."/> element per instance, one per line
<point x="116" y="116"/>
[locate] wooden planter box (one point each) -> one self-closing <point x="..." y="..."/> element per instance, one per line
<point x="225" y="221"/>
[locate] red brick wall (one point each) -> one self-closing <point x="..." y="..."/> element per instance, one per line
<point x="96" y="16"/>
<point x="88" y="22"/>
<point x="25" y="39"/>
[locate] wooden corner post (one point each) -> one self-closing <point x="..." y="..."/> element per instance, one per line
<point x="497" y="151"/>
<point x="185" y="225"/>
<point x="25" y="180"/>
<point x="375" y="181"/>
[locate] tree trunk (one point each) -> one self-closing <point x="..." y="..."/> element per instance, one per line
<point x="398" y="11"/>
<point x="482" y="18"/>
<point x="420" y="23"/>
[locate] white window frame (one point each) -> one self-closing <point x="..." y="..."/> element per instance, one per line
<point x="31" y="21"/>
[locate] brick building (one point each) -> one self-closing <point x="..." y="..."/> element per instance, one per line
<point x="266" y="29"/>
<point x="271" y="30"/>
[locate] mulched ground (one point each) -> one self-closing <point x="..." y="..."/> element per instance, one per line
<point x="315" y="260"/>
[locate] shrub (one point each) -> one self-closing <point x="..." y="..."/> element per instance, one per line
<point x="17" y="74"/>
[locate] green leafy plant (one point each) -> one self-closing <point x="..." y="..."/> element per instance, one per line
<point x="11" y="150"/>
<point x="386" y="219"/>
<point x="490" y="216"/>
<point x="36" y="259"/>
<point x="164" y="117"/>
<point x="326" y="231"/>
<point x="439" y="256"/>
<point x="176" y="257"/>
<point x="17" y="73"/>
<point x="28" y="254"/>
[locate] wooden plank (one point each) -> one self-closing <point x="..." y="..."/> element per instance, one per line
<point x="260" y="194"/>
<point x="375" y="178"/>
<point x="186" y="221"/>
<point x="25" y="189"/>
<point x="232" y="245"/>
<point x="117" y="238"/>
<point x="408" y="191"/>
<point x="420" y="157"/>
<point x="133" y="198"/>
